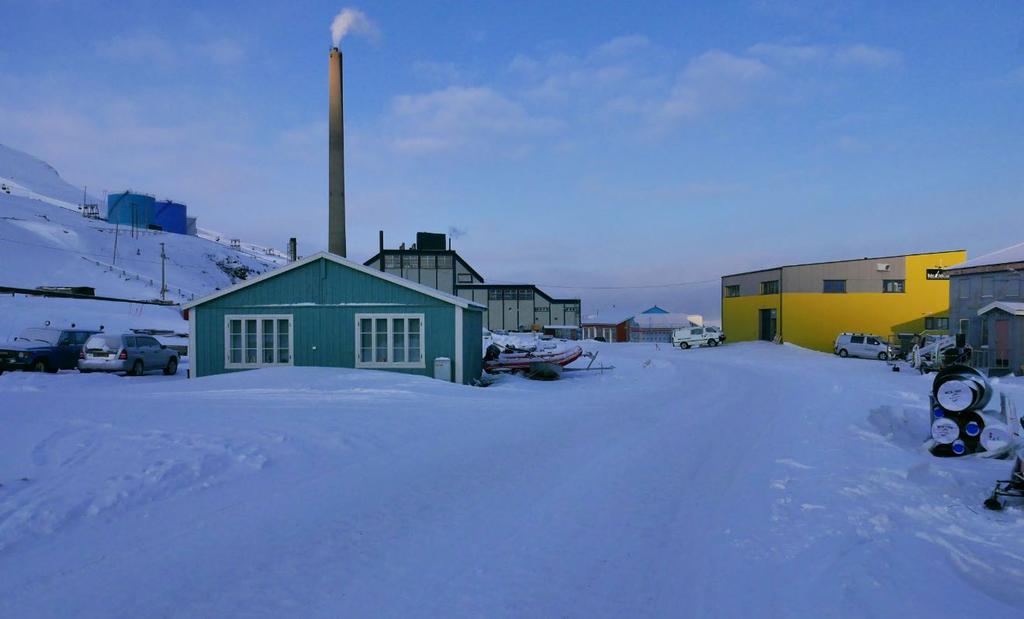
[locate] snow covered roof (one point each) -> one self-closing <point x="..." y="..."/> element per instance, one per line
<point x="608" y="317"/>
<point x="667" y="321"/>
<point x="1007" y="255"/>
<point x="1015" y="308"/>
<point x="394" y="279"/>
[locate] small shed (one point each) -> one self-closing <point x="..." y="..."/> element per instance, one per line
<point x="325" y="310"/>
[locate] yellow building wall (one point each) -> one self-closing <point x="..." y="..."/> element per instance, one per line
<point x="813" y="320"/>
<point x="741" y="316"/>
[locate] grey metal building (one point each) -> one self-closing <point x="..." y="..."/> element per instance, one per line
<point x="510" y="307"/>
<point x="986" y="304"/>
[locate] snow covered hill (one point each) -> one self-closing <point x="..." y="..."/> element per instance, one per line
<point x="749" y="480"/>
<point x="45" y="241"/>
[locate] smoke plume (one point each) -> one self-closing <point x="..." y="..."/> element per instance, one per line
<point x="456" y="233"/>
<point x="351" y="20"/>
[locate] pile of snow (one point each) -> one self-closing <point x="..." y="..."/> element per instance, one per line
<point x="705" y="482"/>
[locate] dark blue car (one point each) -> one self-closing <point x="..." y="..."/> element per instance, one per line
<point x="43" y="350"/>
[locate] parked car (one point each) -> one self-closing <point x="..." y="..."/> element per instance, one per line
<point x="862" y="345"/>
<point x="129" y="353"/>
<point x="697" y="336"/>
<point x="43" y="350"/>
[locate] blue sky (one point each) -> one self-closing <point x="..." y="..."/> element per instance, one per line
<point x="592" y="144"/>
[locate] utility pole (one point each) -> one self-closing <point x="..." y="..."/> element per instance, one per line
<point x="163" y="279"/>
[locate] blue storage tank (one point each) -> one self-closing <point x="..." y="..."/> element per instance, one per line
<point x="130" y="209"/>
<point x="171" y="217"/>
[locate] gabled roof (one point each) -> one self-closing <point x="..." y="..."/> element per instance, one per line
<point x="654" y="309"/>
<point x="394" y="279"/>
<point x="426" y="252"/>
<point x="1010" y="307"/>
<point x="1007" y="255"/>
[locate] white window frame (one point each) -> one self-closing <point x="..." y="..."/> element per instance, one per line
<point x="421" y="364"/>
<point x="259" y="318"/>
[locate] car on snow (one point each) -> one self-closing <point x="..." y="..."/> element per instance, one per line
<point x="43" y="350"/>
<point x="862" y="345"/>
<point x="697" y="336"/>
<point x="129" y="353"/>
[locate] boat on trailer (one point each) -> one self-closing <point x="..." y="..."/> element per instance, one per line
<point x="513" y="358"/>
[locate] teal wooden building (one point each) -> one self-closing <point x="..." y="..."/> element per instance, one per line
<point x="328" y="311"/>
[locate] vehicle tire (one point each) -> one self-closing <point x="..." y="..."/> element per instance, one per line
<point x="137" y="368"/>
<point x="40" y="366"/>
<point x="712" y="342"/>
<point x="172" y="367"/>
<point x="843" y="353"/>
<point x="883" y="356"/>
<point x="684" y="345"/>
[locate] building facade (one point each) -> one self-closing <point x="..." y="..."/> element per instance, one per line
<point x="327" y="311"/>
<point x="987" y="306"/>
<point x="509" y="307"/>
<point x="810" y="304"/>
<point x="656" y="325"/>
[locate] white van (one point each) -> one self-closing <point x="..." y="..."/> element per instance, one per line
<point x="697" y="336"/>
<point x="862" y="345"/>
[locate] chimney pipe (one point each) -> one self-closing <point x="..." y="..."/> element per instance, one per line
<point x="381" y="254"/>
<point x="336" y="158"/>
<point x="293" y="249"/>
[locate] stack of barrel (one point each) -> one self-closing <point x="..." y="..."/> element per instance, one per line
<point x="959" y="424"/>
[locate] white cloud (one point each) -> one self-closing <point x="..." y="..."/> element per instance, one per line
<point x="868" y="57"/>
<point x="714" y="80"/>
<point x="461" y="116"/>
<point x="437" y="71"/>
<point x="142" y="47"/>
<point x="850" y="56"/>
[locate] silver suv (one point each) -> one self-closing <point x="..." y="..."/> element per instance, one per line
<point x="129" y="353"/>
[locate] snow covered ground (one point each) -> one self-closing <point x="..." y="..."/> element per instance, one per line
<point x="746" y="480"/>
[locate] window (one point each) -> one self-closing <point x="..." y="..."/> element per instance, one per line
<point x="465" y="278"/>
<point x="986" y="286"/>
<point x="936" y="323"/>
<point x="444" y="262"/>
<point x="770" y="287"/>
<point x="410" y="261"/>
<point x="428" y="262"/>
<point x="494" y="294"/>
<point x="893" y="285"/>
<point x="874" y="342"/>
<point x="732" y="291"/>
<point x="834" y="285"/>
<point x="571" y="309"/>
<point x="257" y="341"/>
<point x="1012" y="288"/>
<point x="543" y="309"/>
<point x="984" y="330"/>
<point x="964" y="288"/>
<point x="509" y="294"/>
<point x="526" y="294"/>
<point x="389" y="341"/>
<point x="857" y="339"/>
<point x="391" y="261"/>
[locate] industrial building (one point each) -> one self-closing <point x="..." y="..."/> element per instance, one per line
<point x="810" y="304"/>
<point x="611" y="325"/>
<point x="128" y="208"/>
<point x="510" y="307"/>
<point x="143" y="211"/>
<point x="987" y="306"/>
<point x="327" y="311"/>
<point x="655" y="324"/>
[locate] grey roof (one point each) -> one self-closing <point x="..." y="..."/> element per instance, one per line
<point x="1007" y="255"/>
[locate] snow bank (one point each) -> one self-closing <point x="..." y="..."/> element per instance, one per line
<point x="706" y="482"/>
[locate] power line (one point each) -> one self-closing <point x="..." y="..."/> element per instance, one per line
<point x="674" y="285"/>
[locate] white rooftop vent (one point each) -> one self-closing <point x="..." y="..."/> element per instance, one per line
<point x="883" y="266"/>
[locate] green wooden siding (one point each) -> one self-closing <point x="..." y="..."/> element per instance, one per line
<point x="472" y="345"/>
<point x="323" y="299"/>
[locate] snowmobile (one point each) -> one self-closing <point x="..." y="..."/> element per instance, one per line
<point x="1012" y="488"/>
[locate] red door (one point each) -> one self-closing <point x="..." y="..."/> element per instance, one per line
<point x="1002" y="344"/>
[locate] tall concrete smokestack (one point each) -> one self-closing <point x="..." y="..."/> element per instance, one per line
<point x="336" y="159"/>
